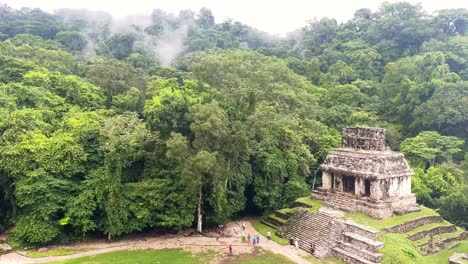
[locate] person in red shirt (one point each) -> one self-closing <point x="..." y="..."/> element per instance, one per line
<point x="230" y="250"/>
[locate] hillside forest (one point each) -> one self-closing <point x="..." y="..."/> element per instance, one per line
<point x="163" y="122"/>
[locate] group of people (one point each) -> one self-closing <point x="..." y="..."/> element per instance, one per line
<point x="255" y="238"/>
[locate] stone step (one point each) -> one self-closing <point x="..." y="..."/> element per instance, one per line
<point x="407" y="210"/>
<point x="274" y="221"/>
<point x="349" y="257"/>
<point x="362" y="230"/>
<point x="310" y="228"/>
<point x="265" y="222"/>
<point x="443" y="244"/>
<point x="363" y="242"/>
<point x="412" y="224"/>
<point x="372" y="256"/>
<point x="281" y="215"/>
<point x="436" y="230"/>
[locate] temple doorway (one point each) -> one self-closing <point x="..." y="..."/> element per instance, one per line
<point x="332" y="181"/>
<point x="348" y="184"/>
<point x="367" y="187"/>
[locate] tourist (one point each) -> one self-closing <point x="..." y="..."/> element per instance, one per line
<point x="296" y="244"/>
<point x="258" y="239"/>
<point x="269" y="235"/>
<point x="230" y="250"/>
<point x="248" y="239"/>
<point x="312" y="248"/>
<point x="254" y="240"/>
<point x="243" y="226"/>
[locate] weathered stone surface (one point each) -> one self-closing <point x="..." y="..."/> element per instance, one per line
<point x="432" y="246"/>
<point x="378" y="179"/>
<point x="361" y="230"/>
<point x="433" y="231"/>
<point x="457" y="258"/>
<point x="367" y="164"/>
<point x="366" y="138"/>
<point x="412" y="224"/>
<point x="332" y="236"/>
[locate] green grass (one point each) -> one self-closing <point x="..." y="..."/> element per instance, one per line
<point x="363" y="219"/>
<point x="164" y="256"/>
<point x="316" y="204"/>
<point x="281" y="220"/>
<point x="263" y="229"/>
<point x="398" y="249"/>
<point x="259" y="256"/>
<point x="291" y="210"/>
<point x="51" y="253"/>
<point x="427" y="227"/>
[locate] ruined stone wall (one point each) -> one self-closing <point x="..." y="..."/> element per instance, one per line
<point x="366" y="138"/>
<point x="433" y="231"/>
<point x="407" y="226"/>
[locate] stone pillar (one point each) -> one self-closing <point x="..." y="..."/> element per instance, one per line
<point x="326" y="180"/>
<point x="406" y="185"/>
<point x="338" y="182"/>
<point x="376" y="189"/>
<point x="359" y="187"/>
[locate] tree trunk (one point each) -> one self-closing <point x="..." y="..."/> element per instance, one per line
<point x="199" y="213"/>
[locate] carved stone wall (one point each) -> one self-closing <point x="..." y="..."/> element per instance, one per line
<point x="366" y="138"/>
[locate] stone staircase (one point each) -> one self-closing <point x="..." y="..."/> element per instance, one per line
<point x="318" y="229"/>
<point x="358" y="245"/>
<point x="340" y="202"/>
<point x="330" y="236"/>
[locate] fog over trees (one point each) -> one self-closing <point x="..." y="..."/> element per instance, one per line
<point x="114" y="126"/>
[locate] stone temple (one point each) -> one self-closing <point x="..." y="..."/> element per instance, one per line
<point x="363" y="175"/>
<point x="366" y="176"/>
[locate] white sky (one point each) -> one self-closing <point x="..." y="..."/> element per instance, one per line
<point x="273" y="16"/>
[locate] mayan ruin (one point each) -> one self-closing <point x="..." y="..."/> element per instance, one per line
<point x="364" y="175"/>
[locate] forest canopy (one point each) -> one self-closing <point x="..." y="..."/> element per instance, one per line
<point x="169" y="121"/>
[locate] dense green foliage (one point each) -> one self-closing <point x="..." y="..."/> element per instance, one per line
<point x="98" y="135"/>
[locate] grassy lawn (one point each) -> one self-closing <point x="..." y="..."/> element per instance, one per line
<point x="363" y="219"/>
<point x="316" y="204"/>
<point x="398" y="249"/>
<point x="169" y="256"/>
<point x="263" y="229"/>
<point x="259" y="256"/>
<point x="51" y="253"/>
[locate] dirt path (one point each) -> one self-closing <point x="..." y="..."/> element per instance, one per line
<point x="194" y="244"/>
